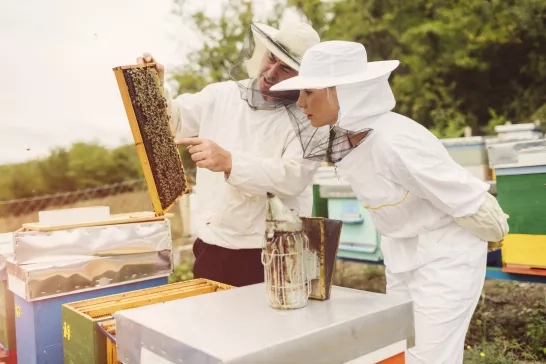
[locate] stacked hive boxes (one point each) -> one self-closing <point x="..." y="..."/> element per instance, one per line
<point x="90" y="326"/>
<point x="471" y="154"/>
<point x="52" y="266"/>
<point x="520" y="169"/>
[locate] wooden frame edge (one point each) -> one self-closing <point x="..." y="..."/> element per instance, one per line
<point x="141" y="149"/>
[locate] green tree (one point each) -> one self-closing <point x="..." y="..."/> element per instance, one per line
<point x="55" y="171"/>
<point x="222" y="38"/>
<point x="460" y="60"/>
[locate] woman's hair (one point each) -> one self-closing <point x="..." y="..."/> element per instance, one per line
<point x="330" y="94"/>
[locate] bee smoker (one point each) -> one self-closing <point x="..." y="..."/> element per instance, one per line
<point x="295" y="267"/>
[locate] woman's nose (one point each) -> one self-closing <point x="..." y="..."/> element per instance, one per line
<point x="300" y="102"/>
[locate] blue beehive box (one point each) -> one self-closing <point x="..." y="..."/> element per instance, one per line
<point x="39" y="329"/>
<point x="49" y="269"/>
<point x="7" y="315"/>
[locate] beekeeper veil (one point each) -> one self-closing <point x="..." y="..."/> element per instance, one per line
<point x="363" y="93"/>
<point x="269" y="56"/>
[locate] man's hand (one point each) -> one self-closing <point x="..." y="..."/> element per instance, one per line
<point x="147" y="58"/>
<point x="207" y="154"/>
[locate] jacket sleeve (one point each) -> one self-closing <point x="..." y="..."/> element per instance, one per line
<point x="421" y="164"/>
<point x="284" y="176"/>
<point x="185" y="111"/>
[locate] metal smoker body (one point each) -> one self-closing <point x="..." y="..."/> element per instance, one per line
<point x="283" y="255"/>
<point x="298" y="255"/>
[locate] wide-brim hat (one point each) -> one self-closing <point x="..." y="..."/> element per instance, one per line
<point x="288" y="44"/>
<point x="335" y="63"/>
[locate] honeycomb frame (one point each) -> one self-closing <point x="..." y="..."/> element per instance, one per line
<point x="164" y="190"/>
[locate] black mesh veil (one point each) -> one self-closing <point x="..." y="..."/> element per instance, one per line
<point x="246" y="73"/>
<point x="329" y="143"/>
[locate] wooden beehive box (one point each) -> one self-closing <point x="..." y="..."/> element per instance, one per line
<point x="85" y="343"/>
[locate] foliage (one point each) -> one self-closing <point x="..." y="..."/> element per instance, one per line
<point x="223" y="40"/>
<point x="182" y="272"/>
<point x="83" y="165"/>
<point x="460" y="60"/>
<point x="513" y="316"/>
<point x="496" y="352"/>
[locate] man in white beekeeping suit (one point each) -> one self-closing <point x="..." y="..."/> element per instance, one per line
<point x="240" y="136"/>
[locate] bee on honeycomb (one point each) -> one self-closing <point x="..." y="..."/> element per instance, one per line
<point x="146" y="109"/>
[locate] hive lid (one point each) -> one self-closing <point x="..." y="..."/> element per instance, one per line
<point x="115" y="219"/>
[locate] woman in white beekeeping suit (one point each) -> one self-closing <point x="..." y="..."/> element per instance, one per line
<point x="435" y="218"/>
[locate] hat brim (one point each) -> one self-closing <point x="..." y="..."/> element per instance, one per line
<point x="272" y="47"/>
<point x="374" y="70"/>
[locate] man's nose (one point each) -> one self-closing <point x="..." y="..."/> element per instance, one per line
<point x="274" y="70"/>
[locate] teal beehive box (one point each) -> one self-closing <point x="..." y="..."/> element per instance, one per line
<point x="359" y="240"/>
<point x="333" y="198"/>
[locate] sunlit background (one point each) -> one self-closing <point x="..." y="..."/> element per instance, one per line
<point x="57" y="57"/>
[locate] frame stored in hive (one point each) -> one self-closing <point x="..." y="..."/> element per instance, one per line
<point x="146" y="108"/>
<point x="92" y="327"/>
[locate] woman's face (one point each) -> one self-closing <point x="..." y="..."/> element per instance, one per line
<point x="321" y="106"/>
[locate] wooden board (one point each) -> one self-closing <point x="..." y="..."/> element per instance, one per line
<point x="524" y="270"/>
<point x="116" y="219"/>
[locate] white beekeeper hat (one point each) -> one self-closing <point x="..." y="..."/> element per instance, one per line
<point x="335" y="63"/>
<point x="288" y="44"/>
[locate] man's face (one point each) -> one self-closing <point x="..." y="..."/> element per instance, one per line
<point x="273" y="71"/>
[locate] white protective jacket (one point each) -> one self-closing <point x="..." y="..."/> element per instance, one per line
<point x="266" y="157"/>
<point x="416" y="193"/>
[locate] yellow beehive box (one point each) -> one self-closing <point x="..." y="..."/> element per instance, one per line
<point x="524" y="250"/>
<point x="84" y="342"/>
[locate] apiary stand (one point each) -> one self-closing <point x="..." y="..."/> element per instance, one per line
<point x="8" y="352"/>
<point x="237" y="326"/>
<point x="52" y="268"/>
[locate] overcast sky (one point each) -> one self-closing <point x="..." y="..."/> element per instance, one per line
<point x="56" y="67"/>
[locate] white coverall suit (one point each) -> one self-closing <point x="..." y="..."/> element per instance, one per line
<point x="416" y="193"/>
